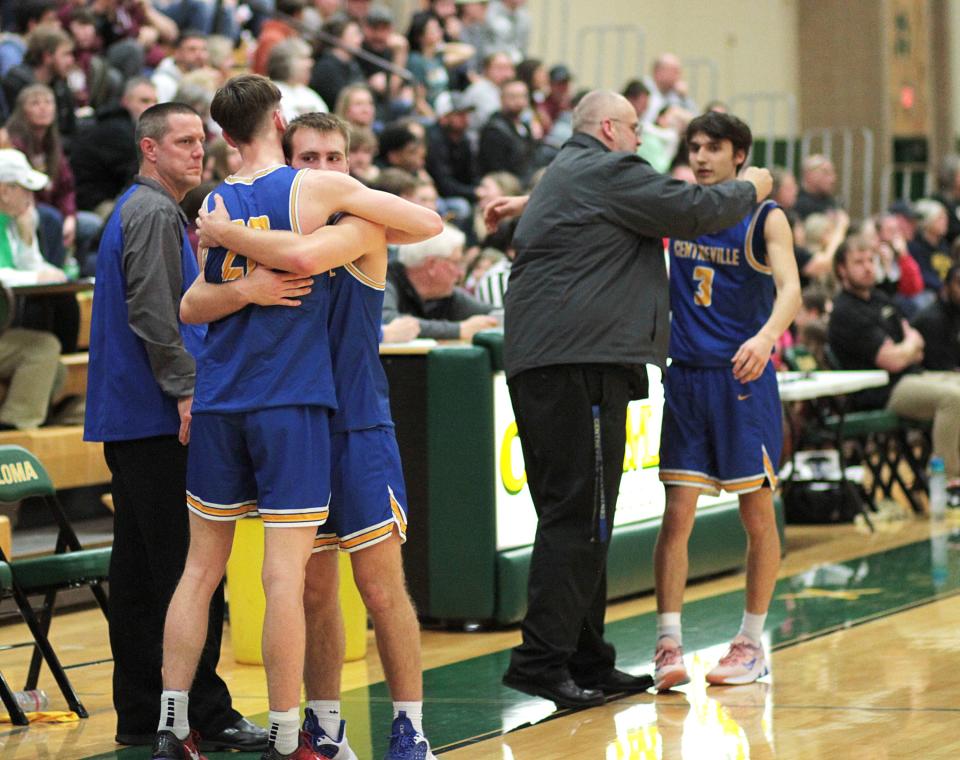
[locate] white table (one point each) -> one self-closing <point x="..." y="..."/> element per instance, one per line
<point x="803" y="386"/>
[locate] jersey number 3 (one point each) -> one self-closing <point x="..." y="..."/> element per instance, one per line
<point x="704" y="278"/>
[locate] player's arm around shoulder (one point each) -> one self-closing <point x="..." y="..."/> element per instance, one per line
<point x="324" y="193"/>
<point x="207" y="302"/>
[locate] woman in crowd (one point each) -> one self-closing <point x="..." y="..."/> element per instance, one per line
<point x="355" y="105"/>
<point x="289" y="67"/>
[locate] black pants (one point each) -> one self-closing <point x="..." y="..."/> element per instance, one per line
<point x="150" y="539"/>
<point x="567" y="590"/>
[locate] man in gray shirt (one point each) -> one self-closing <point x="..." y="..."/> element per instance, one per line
<point x="586" y="310"/>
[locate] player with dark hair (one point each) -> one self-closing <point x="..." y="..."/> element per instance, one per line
<point x="732" y="293"/>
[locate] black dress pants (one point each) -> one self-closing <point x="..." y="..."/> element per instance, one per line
<point x="150" y="539"/>
<point x="567" y="590"/>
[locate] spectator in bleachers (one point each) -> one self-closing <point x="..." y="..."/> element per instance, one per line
<point x="423" y="283"/>
<point x="134" y="32"/>
<point x="910" y="295"/>
<point x="939" y="324"/>
<point x="785" y="189"/>
<point x="221" y="56"/>
<point x="473" y="28"/>
<point x="48" y="60"/>
<point x="336" y="68"/>
<point x="928" y="247"/>
<point x="28" y="14"/>
<point x="397" y="182"/>
<point x="492" y="285"/>
<point x="355" y="105"/>
<point x="508" y="28"/>
<point x="507" y="142"/>
<point x="93" y="81"/>
<point x="357" y="9"/>
<point x="220" y="161"/>
<point x="380" y="39"/>
<point x="450" y="158"/>
<point x="363" y="147"/>
<point x="533" y="73"/>
<point x="401" y="148"/>
<point x="21" y="261"/>
<point x="662" y="138"/>
<point x="430" y="58"/>
<point x="667" y="88"/>
<point x="319" y="12"/>
<point x="492" y="186"/>
<point x="868" y="331"/>
<point x="32" y="129"/>
<point x="484" y="93"/>
<point x="823" y="235"/>
<point x="189" y="54"/>
<point x="30" y="368"/>
<point x="948" y="193"/>
<point x="274" y="30"/>
<point x="817" y="187"/>
<point x="559" y="99"/>
<point x="104" y="157"/>
<point x="638" y="94"/>
<point x="289" y="67"/>
<point x="199" y="14"/>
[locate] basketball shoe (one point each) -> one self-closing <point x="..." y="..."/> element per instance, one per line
<point x="743" y="663"/>
<point x="406" y="743"/>
<point x="669" y="670"/>
<point x="304" y="751"/>
<point x="323" y="744"/>
<point x="168" y="747"/>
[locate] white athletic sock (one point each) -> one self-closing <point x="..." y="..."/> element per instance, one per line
<point x="414" y="711"/>
<point x="284" y="730"/>
<point x="328" y="714"/>
<point x="668" y="624"/>
<point x="752" y="626"/>
<point x="173" y="713"/>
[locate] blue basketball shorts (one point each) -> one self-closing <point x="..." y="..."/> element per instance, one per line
<point x="368" y="496"/>
<point x="719" y="433"/>
<point x="272" y="461"/>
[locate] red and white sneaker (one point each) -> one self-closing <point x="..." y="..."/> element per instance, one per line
<point x="669" y="670"/>
<point x="304" y="751"/>
<point x="167" y="746"/>
<point x="743" y="663"/>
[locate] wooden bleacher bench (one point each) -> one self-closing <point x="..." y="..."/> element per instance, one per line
<point x="70" y="461"/>
<point x="76" y="380"/>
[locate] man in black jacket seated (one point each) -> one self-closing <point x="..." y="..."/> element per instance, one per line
<point x="507" y="142"/>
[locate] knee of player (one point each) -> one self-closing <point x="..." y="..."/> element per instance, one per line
<point x="380" y="594"/>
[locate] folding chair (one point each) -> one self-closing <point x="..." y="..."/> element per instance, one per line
<point x="22" y="477"/>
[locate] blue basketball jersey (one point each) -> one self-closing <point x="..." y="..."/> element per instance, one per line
<point x="721" y="291"/>
<point x="262" y="357"/>
<point x="356" y="306"/>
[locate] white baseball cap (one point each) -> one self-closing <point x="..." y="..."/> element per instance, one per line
<point x="15" y="169"/>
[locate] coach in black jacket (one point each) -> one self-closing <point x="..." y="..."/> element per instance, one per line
<point x="586" y="309"/>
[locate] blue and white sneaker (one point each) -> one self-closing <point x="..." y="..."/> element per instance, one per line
<point x="406" y="743"/>
<point x="322" y="743"/>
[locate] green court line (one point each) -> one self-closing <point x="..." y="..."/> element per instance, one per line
<point x="465" y="701"/>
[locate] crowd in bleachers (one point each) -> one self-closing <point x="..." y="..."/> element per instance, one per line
<point x="446" y="108"/>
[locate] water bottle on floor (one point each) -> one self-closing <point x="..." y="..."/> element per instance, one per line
<point x="32" y="700"/>
<point x="938" y="489"/>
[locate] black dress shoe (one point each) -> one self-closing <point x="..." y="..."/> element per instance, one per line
<point x="618" y="682"/>
<point x="563" y="693"/>
<point x="242" y="735"/>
